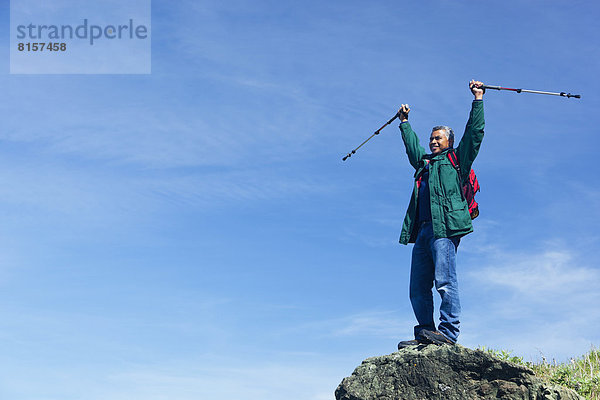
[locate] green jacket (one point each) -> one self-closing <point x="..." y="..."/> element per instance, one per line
<point x="449" y="210"/>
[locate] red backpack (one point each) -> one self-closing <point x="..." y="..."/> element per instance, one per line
<point x="469" y="187"/>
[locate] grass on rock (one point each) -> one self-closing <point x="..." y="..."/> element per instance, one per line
<point x="580" y="374"/>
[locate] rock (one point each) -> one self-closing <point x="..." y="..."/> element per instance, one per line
<point x="446" y="372"/>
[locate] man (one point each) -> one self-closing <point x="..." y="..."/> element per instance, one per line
<point x="437" y="217"/>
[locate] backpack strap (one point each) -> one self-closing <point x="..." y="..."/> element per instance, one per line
<point x="453" y="159"/>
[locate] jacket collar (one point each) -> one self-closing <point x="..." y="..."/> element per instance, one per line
<point x="427" y="158"/>
<point x="438" y="157"/>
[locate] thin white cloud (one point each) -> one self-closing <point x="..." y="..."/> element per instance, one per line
<point x="381" y="324"/>
<point x="552" y="271"/>
<point x="217" y="188"/>
<point x="163" y="139"/>
<point x="542" y="301"/>
<point x="247" y="379"/>
<point x="205" y="378"/>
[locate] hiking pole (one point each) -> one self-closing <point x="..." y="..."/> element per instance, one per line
<point x="370" y="137"/>
<point x="563" y="94"/>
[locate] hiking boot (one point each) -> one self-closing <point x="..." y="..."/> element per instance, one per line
<point x="432" y="337"/>
<point x="408" y="343"/>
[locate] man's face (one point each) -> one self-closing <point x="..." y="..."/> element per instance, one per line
<point x="438" y="142"/>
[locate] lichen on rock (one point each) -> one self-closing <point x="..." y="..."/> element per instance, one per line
<point x="445" y="372"/>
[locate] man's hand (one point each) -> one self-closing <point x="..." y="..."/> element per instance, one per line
<point x="475" y="87"/>
<point x="403" y="113"/>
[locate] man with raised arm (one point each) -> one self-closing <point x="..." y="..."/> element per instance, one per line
<point x="437" y="217"/>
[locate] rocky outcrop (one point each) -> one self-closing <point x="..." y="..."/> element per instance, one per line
<point x="446" y="372"/>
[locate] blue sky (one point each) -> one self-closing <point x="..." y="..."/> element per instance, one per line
<point x="194" y="234"/>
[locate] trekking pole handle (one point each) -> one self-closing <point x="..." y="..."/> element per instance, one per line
<point x="386" y="124"/>
<point x="500" y="88"/>
<point x="491" y="87"/>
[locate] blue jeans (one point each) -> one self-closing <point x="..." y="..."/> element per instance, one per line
<point x="434" y="261"/>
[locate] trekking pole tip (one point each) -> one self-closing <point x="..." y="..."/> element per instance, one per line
<point x="568" y="95"/>
<point x="349" y="155"/>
